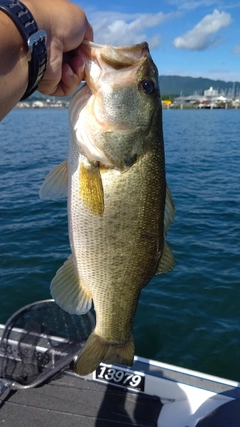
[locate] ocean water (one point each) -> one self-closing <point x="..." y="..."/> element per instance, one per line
<point x="190" y="316"/>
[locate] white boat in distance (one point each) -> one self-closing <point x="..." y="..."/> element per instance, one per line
<point x="38" y="385"/>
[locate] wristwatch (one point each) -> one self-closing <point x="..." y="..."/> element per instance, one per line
<point x="34" y="39"/>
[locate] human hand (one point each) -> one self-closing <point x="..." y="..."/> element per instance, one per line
<point x="66" y="26"/>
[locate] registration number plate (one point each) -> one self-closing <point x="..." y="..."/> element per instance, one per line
<point x="120" y="377"/>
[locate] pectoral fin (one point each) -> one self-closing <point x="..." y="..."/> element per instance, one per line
<point x="67" y="291"/>
<point x="91" y="189"/>
<point x="56" y="183"/>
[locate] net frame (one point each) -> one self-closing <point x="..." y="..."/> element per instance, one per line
<point x="38" y="341"/>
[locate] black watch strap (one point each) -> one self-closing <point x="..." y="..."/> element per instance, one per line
<point x="34" y="38"/>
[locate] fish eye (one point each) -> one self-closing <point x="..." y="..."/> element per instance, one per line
<point x="148" y="86"/>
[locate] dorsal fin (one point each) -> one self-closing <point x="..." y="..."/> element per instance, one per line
<point x="169" y="210"/>
<point x="167" y="261"/>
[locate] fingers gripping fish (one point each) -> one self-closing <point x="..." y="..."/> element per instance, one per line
<point x="119" y="206"/>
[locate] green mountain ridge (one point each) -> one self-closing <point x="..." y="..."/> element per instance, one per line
<point x="185" y="86"/>
<point x="173" y="86"/>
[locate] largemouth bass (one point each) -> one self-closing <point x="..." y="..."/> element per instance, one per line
<point x="119" y="205"/>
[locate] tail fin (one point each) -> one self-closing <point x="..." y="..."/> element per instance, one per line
<point x="97" y="350"/>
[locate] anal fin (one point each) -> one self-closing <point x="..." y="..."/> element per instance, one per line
<point x="67" y="291"/>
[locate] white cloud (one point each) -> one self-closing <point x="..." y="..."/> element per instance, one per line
<point x="202" y="35"/>
<point x="124" y="29"/>
<point x="192" y="4"/>
<point x="217" y="74"/>
<point x="236" y="49"/>
<point x="224" y="74"/>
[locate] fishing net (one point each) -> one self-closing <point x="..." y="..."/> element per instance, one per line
<point x="40" y="340"/>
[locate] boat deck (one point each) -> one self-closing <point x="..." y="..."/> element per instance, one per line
<point x="72" y="401"/>
<point x="150" y="394"/>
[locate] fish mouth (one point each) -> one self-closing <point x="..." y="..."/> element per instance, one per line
<point x="118" y="57"/>
<point x="102" y="60"/>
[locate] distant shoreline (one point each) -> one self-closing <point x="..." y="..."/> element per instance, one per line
<point x="41" y="104"/>
<point x="173" y="106"/>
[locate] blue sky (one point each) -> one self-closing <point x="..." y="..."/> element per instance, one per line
<point x="198" y="38"/>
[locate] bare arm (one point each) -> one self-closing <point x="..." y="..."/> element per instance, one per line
<point x="13" y="65"/>
<point x="66" y="27"/>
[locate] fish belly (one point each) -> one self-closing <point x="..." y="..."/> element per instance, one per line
<point x="116" y="254"/>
